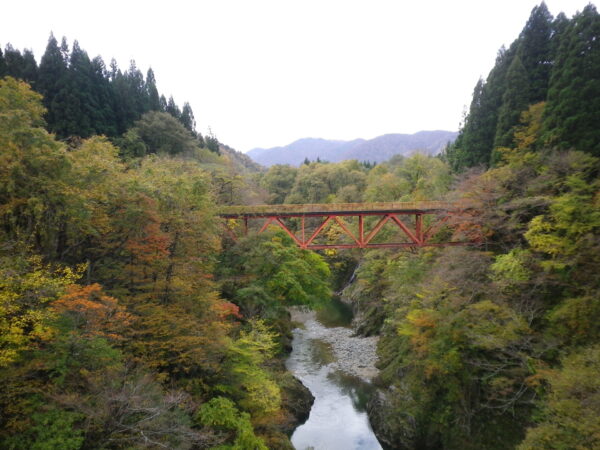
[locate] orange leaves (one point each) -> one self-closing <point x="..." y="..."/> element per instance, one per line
<point x="141" y="220"/>
<point x="93" y="312"/>
<point x="227" y="309"/>
<point x="151" y="246"/>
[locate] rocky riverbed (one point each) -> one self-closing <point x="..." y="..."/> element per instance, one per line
<point x="337" y="368"/>
<point x="352" y="355"/>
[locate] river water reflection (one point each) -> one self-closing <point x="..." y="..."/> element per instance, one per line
<point x="337" y="420"/>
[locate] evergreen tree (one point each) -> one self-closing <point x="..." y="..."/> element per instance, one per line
<point x="20" y="65"/>
<point x="52" y="76"/>
<point x="2" y="65"/>
<point x="514" y="101"/>
<point x="131" y="97"/>
<point x="137" y="90"/>
<point x="123" y="117"/>
<point x="104" y="115"/>
<point x="152" y="92"/>
<point x="162" y="101"/>
<point x="476" y="138"/>
<point x="572" y="113"/>
<point x="77" y="94"/>
<point x="173" y="109"/>
<point x="187" y="118"/>
<point x="64" y="49"/>
<point x="30" y="68"/>
<point x="535" y="52"/>
<point x="83" y="97"/>
<point x="559" y="26"/>
<point x="211" y="141"/>
<point x="114" y="70"/>
<point x="14" y="61"/>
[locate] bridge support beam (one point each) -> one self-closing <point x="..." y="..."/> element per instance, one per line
<point x="416" y="234"/>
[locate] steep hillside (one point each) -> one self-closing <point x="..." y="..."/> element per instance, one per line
<point x="378" y="149"/>
<point x="554" y="63"/>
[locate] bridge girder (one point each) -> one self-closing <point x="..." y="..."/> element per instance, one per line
<point x="410" y="221"/>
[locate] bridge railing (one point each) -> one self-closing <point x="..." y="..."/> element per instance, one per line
<point x="252" y="210"/>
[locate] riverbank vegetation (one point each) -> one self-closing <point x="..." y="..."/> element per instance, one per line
<point x="127" y="320"/>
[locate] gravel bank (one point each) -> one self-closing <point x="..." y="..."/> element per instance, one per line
<point x="353" y="355"/>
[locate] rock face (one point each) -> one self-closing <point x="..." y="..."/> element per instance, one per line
<point x="394" y="429"/>
<point x="297" y="400"/>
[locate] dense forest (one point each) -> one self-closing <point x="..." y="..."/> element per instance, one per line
<point x="127" y="320"/>
<point x="83" y="97"/>
<point x="555" y="62"/>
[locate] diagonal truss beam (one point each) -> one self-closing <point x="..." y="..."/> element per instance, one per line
<point x="317" y="231"/>
<point x="266" y="224"/>
<point x="288" y="231"/>
<point x="418" y="236"/>
<point x="341" y="223"/>
<point x="406" y="230"/>
<point x="375" y="230"/>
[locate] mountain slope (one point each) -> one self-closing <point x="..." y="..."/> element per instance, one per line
<point x="377" y="149"/>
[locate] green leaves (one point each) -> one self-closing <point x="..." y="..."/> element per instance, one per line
<point x="161" y="133"/>
<point x="222" y="414"/>
<point x="570" y="419"/>
<point x="265" y="273"/>
<point x="572" y="119"/>
<point x="54" y="430"/>
<point x="511" y="268"/>
<point x="551" y="61"/>
<point x="248" y="381"/>
<point x="573" y="217"/>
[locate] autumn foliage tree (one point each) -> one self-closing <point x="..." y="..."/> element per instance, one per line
<point x="112" y="330"/>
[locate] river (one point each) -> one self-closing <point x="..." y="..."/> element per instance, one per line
<point x="337" y="368"/>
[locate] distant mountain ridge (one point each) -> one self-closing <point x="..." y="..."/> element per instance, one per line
<point x="378" y="149"/>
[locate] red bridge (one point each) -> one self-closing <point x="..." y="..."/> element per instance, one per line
<point x="358" y="225"/>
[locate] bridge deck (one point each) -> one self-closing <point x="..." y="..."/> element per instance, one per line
<point x="290" y="210"/>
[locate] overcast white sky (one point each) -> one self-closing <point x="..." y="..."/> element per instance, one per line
<point x="263" y="73"/>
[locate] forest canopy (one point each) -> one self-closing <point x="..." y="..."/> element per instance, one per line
<point x="128" y="319"/>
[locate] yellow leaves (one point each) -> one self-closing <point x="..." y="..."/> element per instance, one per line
<point x="19" y="105"/>
<point x="422" y="318"/>
<point x="419" y="326"/>
<point x="540" y="237"/>
<point x="526" y="139"/>
<point x="26" y="287"/>
<point x="180" y="338"/>
<point x="564" y="232"/>
<point x="528" y="133"/>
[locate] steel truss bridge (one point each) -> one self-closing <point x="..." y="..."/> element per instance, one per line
<point x="415" y="224"/>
